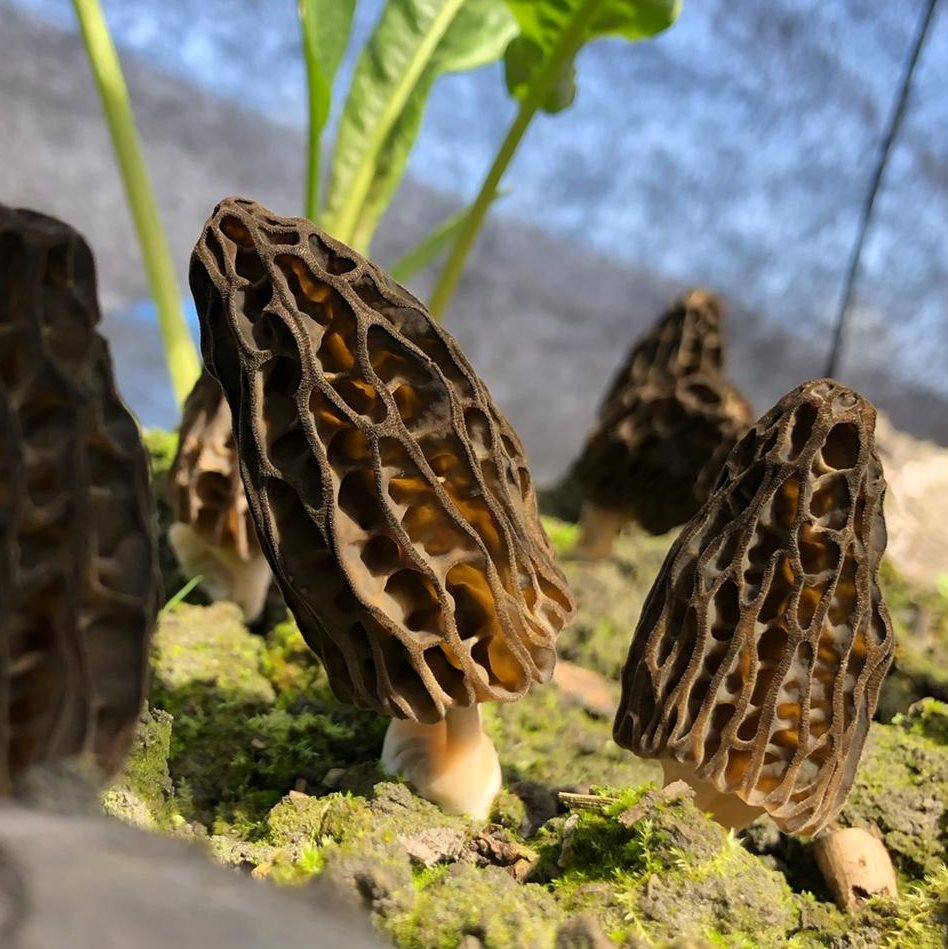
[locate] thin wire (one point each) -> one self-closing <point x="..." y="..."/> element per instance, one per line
<point x="885" y="148"/>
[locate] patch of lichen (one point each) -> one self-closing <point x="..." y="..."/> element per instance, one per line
<point x="143" y="794"/>
<point x="901" y="787"/>
<point x="920" y="620"/>
<point x="609" y="595"/>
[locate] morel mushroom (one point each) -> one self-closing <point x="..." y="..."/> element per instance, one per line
<point x="391" y="497"/>
<point x="213" y="535"/>
<point x="664" y="429"/>
<point x="756" y="664"/>
<point x="78" y="567"/>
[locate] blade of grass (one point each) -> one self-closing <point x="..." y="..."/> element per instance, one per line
<point x="180" y="353"/>
<point x="181" y="594"/>
<point x="428" y="249"/>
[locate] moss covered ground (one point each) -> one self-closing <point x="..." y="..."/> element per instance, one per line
<point x="244" y="746"/>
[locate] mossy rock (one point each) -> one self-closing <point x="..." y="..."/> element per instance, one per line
<point x="901" y="788"/>
<point x="651" y="868"/>
<point x="143" y="794"/>
<point x="920" y="669"/>
<point x="483" y="902"/>
<point x="240" y="743"/>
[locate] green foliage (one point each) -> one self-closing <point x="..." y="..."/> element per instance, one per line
<point x="429" y="248"/>
<point x="540" y="73"/>
<point x="414" y="42"/>
<point x="325" y="26"/>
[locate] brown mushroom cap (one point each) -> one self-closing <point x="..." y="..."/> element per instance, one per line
<point x="390" y="495"/>
<point x="78" y="567"/>
<point x="758" y="658"/>
<point x="667" y="422"/>
<point x="213" y="534"/>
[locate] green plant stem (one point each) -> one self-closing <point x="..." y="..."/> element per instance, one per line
<point x="343" y="224"/>
<point x="314" y="138"/>
<point x="183" y="363"/>
<point x="565" y="50"/>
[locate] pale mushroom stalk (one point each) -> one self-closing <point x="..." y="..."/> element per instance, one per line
<point x="667" y="422"/>
<point x="598" y="529"/>
<point x="390" y="496"/>
<point x="452" y="762"/>
<point x="225" y="575"/>
<point x="756" y="665"/>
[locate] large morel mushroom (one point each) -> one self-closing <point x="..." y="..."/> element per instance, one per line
<point x="756" y="664"/>
<point x="391" y="497"/>
<point x="664" y="428"/>
<point x="78" y="566"/>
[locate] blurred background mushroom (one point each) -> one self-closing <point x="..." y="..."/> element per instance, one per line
<point x="78" y="563"/>
<point x="213" y="535"/>
<point x="664" y="428"/>
<point x="392" y="499"/>
<point x="756" y="665"/>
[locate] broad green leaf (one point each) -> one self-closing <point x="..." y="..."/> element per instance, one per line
<point x="414" y="42"/>
<point x="524" y="56"/>
<point x="325" y="26"/>
<point x="428" y="249"/>
<point x="557" y="30"/>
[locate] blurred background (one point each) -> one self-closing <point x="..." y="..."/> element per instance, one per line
<point x="735" y="151"/>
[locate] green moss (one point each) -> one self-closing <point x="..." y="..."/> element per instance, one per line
<point x="142" y="795"/>
<point x="198" y="646"/>
<point x="609" y="596"/>
<point x="920" y="619"/>
<point x="238" y="745"/>
<point x="562" y="534"/>
<point x="531" y="736"/>
<point x="901" y="787"/>
<point x="483" y="902"/>
<point x="161" y="447"/>
<point x="928" y="718"/>
<point x="652" y="868"/>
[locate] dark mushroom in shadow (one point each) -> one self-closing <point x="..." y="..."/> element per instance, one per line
<point x="78" y="564"/>
<point x="664" y="429"/>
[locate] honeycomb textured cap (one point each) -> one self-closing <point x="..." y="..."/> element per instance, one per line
<point x="78" y="567"/>
<point x="390" y="495"/>
<point x="204" y="486"/>
<point x="668" y="420"/>
<point x="763" y="643"/>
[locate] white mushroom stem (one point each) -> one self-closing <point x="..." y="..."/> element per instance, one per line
<point x="225" y="575"/>
<point x="452" y="762"/>
<point x="855" y="865"/>
<point x="726" y="808"/>
<point x="598" y="529"/>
